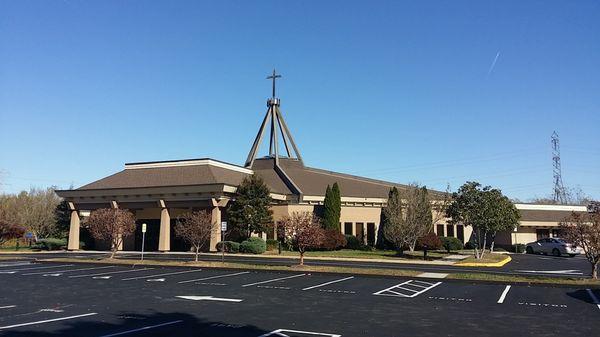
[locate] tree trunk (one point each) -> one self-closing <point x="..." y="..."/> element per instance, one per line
<point x="411" y="246"/>
<point x="197" y="250"/>
<point x="595" y="270"/>
<point x="482" y="251"/>
<point x="113" y="251"/>
<point x="493" y="242"/>
<point x="301" y="258"/>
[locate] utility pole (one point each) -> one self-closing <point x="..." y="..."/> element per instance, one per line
<point x="559" y="196"/>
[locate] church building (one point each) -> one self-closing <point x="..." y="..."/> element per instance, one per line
<point x="160" y="191"/>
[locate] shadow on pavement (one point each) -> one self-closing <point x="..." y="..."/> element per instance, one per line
<point x="584" y="295"/>
<point x="155" y="324"/>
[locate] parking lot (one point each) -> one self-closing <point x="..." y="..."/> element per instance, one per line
<point x="72" y="299"/>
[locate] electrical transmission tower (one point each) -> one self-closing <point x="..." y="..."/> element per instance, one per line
<point x="559" y="194"/>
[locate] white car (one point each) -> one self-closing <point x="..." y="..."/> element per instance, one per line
<point x="554" y="246"/>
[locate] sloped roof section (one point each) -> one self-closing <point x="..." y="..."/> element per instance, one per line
<point x="172" y="173"/>
<point x="313" y="181"/>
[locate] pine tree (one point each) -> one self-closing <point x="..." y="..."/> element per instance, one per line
<point x="332" y="208"/>
<point x="337" y="197"/>
<point x="250" y="212"/>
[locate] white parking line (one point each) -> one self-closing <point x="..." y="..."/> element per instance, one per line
<point x="214" y="277"/>
<point x="15" y="264"/>
<point x="328" y="283"/>
<point x="594" y="298"/>
<point x="280" y="332"/>
<point x="33" y="268"/>
<point x="399" y="286"/>
<point x="7" y="306"/>
<point x="112" y="272"/>
<point x="142" y="329"/>
<point x="66" y="271"/>
<point x="165" y="274"/>
<point x="503" y="296"/>
<point x="46" y="321"/>
<point x="273" y="280"/>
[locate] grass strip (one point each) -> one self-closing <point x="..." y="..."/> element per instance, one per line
<point x="480" y="277"/>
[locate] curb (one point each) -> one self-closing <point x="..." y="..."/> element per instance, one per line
<point x="484" y="264"/>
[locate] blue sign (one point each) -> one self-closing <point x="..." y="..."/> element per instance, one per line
<point x="29" y="235"/>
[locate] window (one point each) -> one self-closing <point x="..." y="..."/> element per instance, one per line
<point x="460" y="233"/>
<point x="348" y="228"/>
<point x="450" y="230"/>
<point x="440" y="230"/>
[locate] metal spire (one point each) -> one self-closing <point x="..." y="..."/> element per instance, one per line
<point x="278" y="126"/>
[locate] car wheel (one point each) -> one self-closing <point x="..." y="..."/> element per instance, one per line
<point x="529" y="250"/>
<point x="555" y="252"/>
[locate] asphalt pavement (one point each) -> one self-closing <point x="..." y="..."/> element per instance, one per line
<point x="79" y="299"/>
<point x="521" y="264"/>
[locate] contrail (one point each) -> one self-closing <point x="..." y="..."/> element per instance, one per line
<point x="493" y="63"/>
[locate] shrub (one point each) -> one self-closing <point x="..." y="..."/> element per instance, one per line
<point x="430" y="241"/>
<point x="352" y="242"/>
<point x="469" y="245"/>
<point x="230" y="246"/>
<point x="519" y="248"/>
<point x="333" y="240"/>
<point x="253" y="245"/>
<point x="451" y="243"/>
<point x="272" y="244"/>
<point x="50" y="244"/>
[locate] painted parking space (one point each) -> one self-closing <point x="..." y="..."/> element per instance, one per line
<point x="548" y="299"/>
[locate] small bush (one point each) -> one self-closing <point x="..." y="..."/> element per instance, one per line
<point x="451" y="243"/>
<point x="430" y="241"/>
<point x="272" y="244"/>
<point x="230" y="246"/>
<point x="334" y="240"/>
<point x="253" y="245"/>
<point x="469" y="245"/>
<point x="352" y="242"/>
<point x="50" y="244"/>
<point x="519" y="248"/>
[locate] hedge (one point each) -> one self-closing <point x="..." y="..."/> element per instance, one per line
<point x="272" y="244"/>
<point x="253" y="245"/>
<point x="50" y="244"/>
<point x="230" y="246"/>
<point x="451" y="243"/>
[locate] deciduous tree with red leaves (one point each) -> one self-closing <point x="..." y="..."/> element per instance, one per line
<point x="303" y="231"/>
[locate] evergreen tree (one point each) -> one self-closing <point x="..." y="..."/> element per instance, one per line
<point x="250" y="212"/>
<point x="337" y="197"/>
<point x="332" y="208"/>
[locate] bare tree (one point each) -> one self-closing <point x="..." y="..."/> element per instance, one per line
<point x="583" y="230"/>
<point x="112" y="225"/>
<point x="195" y="228"/>
<point x="411" y="214"/>
<point x="33" y="210"/>
<point x="303" y="230"/>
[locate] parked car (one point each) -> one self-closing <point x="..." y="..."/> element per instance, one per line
<point x="554" y="246"/>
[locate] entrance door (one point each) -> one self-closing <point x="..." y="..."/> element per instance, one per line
<point x="360" y="232"/>
<point x="542" y="233"/>
<point x="370" y="234"/>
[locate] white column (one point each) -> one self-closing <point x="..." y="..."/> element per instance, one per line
<point x="164" y="239"/>
<point x="215" y="235"/>
<point x="74" y="231"/>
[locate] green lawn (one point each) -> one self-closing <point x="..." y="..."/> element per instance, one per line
<point x="364" y="254"/>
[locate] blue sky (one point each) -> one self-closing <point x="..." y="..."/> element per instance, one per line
<point x="401" y="91"/>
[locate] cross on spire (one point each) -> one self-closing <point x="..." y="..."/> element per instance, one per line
<point x="273" y="77"/>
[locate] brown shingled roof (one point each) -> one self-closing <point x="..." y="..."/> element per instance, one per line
<point x="544" y="215"/>
<point x="168" y="176"/>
